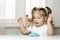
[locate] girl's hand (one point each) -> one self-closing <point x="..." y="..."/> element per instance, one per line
<point x="20" y="20"/>
<point x="50" y="18"/>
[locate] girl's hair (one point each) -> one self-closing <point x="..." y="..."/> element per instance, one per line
<point x="49" y="11"/>
<point x="38" y="9"/>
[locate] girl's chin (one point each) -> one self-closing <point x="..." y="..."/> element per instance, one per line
<point x="37" y="25"/>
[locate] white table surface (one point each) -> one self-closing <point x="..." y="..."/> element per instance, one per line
<point x="9" y="37"/>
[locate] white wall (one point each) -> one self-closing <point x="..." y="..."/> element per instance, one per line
<point x="20" y="8"/>
<point x="19" y="11"/>
<point x="55" y="6"/>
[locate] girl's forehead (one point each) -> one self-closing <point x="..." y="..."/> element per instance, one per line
<point x="40" y="13"/>
<point x="37" y="15"/>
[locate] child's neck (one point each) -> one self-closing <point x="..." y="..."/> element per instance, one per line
<point x="39" y="25"/>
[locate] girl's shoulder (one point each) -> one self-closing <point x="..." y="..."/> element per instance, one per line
<point x="45" y="26"/>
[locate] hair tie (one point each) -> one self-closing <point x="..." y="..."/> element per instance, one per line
<point x="46" y="10"/>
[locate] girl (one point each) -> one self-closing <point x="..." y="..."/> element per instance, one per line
<point x="38" y="23"/>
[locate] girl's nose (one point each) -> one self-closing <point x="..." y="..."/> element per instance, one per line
<point x="36" y="20"/>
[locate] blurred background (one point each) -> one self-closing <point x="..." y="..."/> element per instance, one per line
<point x="10" y="10"/>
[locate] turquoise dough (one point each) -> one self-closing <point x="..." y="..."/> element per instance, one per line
<point x="34" y="35"/>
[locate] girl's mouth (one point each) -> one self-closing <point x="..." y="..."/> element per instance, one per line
<point x="36" y="22"/>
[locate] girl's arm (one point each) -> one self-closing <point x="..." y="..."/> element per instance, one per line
<point x="22" y="28"/>
<point x="50" y="26"/>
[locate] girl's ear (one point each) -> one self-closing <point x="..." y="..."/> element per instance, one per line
<point x="45" y="19"/>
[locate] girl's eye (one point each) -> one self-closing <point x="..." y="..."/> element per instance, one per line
<point x="38" y="18"/>
<point x="34" y="18"/>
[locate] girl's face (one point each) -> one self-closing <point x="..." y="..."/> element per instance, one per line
<point x="38" y="19"/>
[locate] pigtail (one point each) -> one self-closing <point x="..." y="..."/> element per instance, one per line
<point x="49" y="11"/>
<point x="43" y="9"/>
<point x="33" y="10"/>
